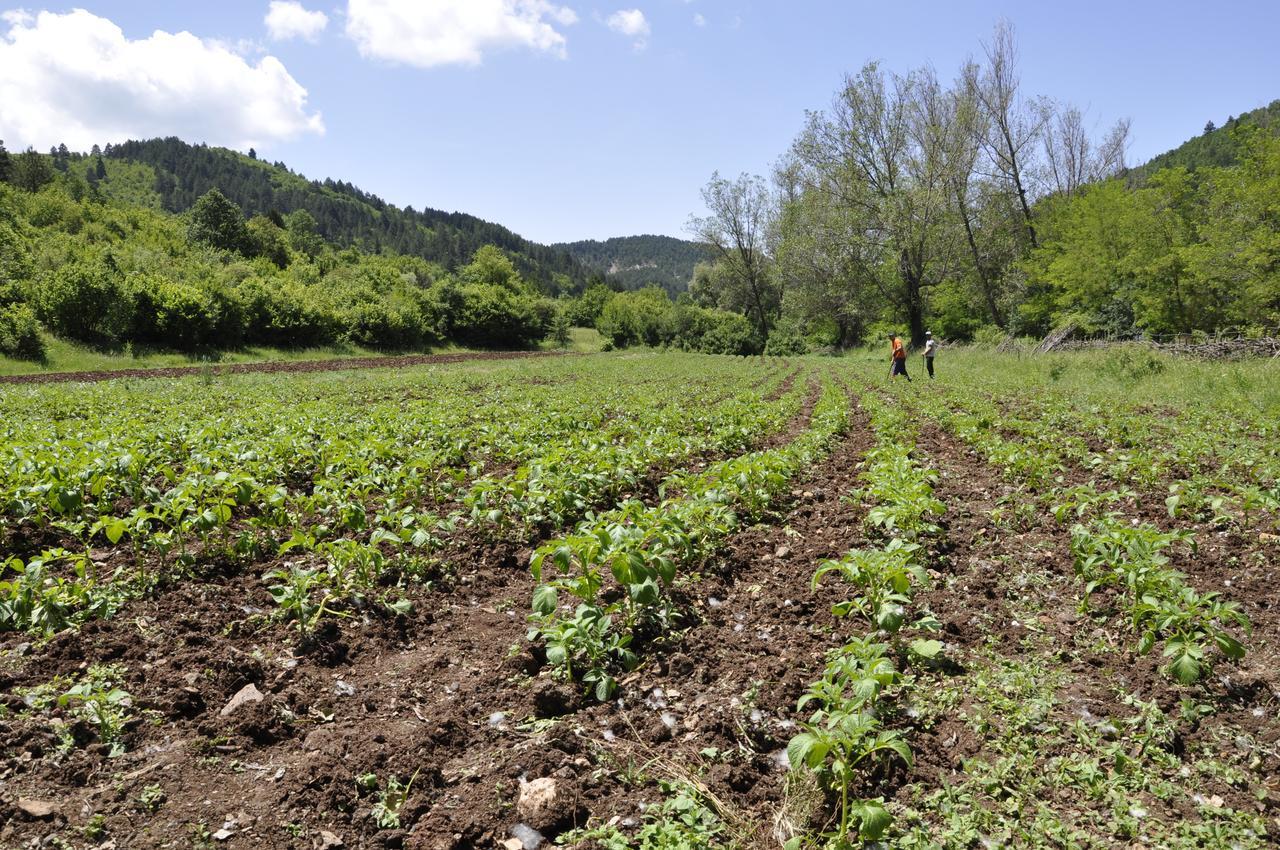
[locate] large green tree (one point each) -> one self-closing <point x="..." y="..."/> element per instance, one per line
<point x="216" y="221"/>
<point x="736" y="228"/>
<point x="31" y="171"/>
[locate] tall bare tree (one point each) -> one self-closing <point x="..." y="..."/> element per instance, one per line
<point x="1012" y="125"/>
<point x="1072" y="159"/>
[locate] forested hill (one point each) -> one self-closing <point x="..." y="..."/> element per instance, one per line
<point x="1216" y="146"/>
<point x="637" y="261"/>
<point x="180" y="173"/>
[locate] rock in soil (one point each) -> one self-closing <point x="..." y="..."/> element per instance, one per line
<point x="37" y="808"/>
<point x="243" y="697"/>
<point x="537" y="803"/>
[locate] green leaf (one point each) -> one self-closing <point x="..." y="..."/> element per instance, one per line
<point x="605" y="688"/>
<point x="1229" y="646"/>
<point x="545" y="600"/>
<point x="1185" y="669"/>
<point x="1146" y="642"/>
<point x="799" y="747"/>
<point x="926" y="648"/>
<point x="874" y="820"/>
<point x="114" y="529"/>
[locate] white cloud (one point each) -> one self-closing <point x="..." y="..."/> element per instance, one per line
<point x="699" y="20"/>
<point x="75" y="78"/>
<point x="288" y="19"/>
<point x="631" y="23"/>
<point x="428" y="33"/>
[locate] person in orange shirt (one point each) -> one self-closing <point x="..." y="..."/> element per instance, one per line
<point x="899" y="358"/>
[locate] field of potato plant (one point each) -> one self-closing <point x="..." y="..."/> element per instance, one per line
<point x="647" y="600"/>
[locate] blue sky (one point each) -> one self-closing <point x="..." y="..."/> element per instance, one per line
<point x="562" y="121"/>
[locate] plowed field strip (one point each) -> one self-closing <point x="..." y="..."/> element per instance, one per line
<point x="336" y="365"/>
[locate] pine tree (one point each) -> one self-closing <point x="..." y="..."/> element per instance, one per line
<point x="6" y="164"/>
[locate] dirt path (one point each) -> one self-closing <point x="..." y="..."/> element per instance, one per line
<point x="335" y="365"/>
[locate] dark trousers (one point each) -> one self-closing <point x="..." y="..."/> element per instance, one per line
<point x="900" y="368"/>
<point x="928" y="364"/>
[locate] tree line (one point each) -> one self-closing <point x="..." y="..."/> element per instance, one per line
<point x="112" y="274"/>
<point x="972" y="209"/>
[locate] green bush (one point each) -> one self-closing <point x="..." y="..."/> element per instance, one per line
<point x="988" y="336"/>
<point x="636" y="318"/>
<point x="282" y="312"/>
<point x="729" y="333"/>
<point x="494" y="316"/>
<point x="172" y="314"/>
<point x="785" y="342"/>
<point x="1130" y="363"/>
<point x="20" y="333"/>
<point x="585" y="310"/>
<point x="85" y="300"/>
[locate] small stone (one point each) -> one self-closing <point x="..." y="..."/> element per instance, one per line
<point x="246" y="695"/>
<point x="37" y="808"/>
<point x="537" y="803"/>
<point x="329" y="841"/>
<point x="223" y="834"/>
<point x="529" y="838"/>
<point x="782" y="552"/>
<point x="343" y="689"/>
<point x="513" y="844"/>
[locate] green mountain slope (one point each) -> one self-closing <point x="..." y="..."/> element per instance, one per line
<point x="180" y="173"/>
<point x="637" y="261"/>
<point x="1216" y="146"/>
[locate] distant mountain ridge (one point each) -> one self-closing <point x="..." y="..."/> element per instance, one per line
<point x="633" y="262"/>
<point x="344" y="214"/>
<point x="1216" y="146"/>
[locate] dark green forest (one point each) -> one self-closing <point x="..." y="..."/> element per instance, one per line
<point x="1216" y="147"/>
<point x="634" y="262"/>
<point x="345" y="215"/>
<point x="119" y="253"/>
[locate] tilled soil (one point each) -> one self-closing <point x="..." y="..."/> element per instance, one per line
<point x="443" y="695"/>
<point x="454" y="697"/>
<point x="335" y="365"/>
<point x="1016" y="588"/>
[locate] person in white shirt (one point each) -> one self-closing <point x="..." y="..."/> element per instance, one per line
<point x="930" y="349"/>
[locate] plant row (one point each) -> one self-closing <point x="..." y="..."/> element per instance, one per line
<point x="1109" y="550"/>
<point x="846" y="739"/>
<point x="345" y="474"/>
<point x="1160" y="606"/>
<point x="607" y="588"/>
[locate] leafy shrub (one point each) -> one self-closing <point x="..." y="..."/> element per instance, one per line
<point x="20" y="333"/>
<point x="167" y="312"/>
<point x="786" y="341"/>
<point x="635" y="318"/>
<point x="585" y="310"/>
<point x="1131" y="364"/>
<point x="494" y="316"/>
<point x="729" y="333"/>
<point x="85" y="300"/>
<point x="988" y="336"/>
<point x="287" y="314"/>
